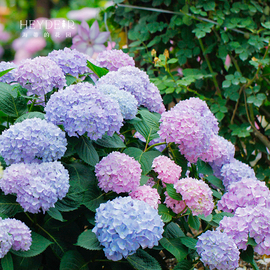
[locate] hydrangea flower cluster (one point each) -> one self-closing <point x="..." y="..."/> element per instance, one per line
<point x="70" y="61"/>
<point x="167" y="170"/>
<point x="146" y="194"/>
<point x="247" y="192"/>
<point x="9" y="77"/>
<point x="218" y="251"/>
<point x="175" y="205"/>
<point x="118" y="172"/>
<point x="82" y="108"/>
<point x="36" y="185"/>
<point x="114" y="59"/>
<point x="196" y="194"/>
<point x="127" y="102"/>
<point x="125" y="224"/>
<point x="39" y="75"/>
<point x="135" y="81"/>
<point x="32" y="140"/>
<point x="6" y="240"/>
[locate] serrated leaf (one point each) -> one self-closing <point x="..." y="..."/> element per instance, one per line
<point x="97" y="70"/>
<point x="54" y="213"/>
<point x="30" y="115"/>
<point x="165" y="213"/>
<point x="194" y="222"/>
<point x="9" y="206"/>
<point x="172" y="192"/>
<point x="151" y="119"/>
<point x="73" y="260"/>
<point x="172" y="230"/>
<point x="189" y="242"/>
<point x="7" y="262"/>
<point x="111" y="142"/>
<point x="88" y="240"/>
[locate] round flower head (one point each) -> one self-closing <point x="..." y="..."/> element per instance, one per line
<point x="6" y="239"/>
<point x="40" y="75"/>
<point x="9" y="77"/>
<point x="146" y="194"/>
<point x="124" y="224"/>
<point x="118" y="172"/>
<point x="127" y="102"/>
<point x="70" y="61"/>
<point x="235" y="171"/>
<point x="247" y="192"/>
<point x="36" y="185"/>
<point x="81" y="108"/>
<point x="218" y="251"/>
<point x="196" y="194"/>
<point x="32" y="140"/>
<point x="175" y="205"/>
<point x="21" y="234"/>
<point x="114" y="59"/>
<point x="167" y="170"/>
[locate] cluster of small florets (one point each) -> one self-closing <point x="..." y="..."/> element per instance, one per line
<point x="135" y="81"/>
<point x="32" y="140"/>
<point x="114" y="59"/>
<point x="127" y="102"/>
<point x="39" y="75"/>
<point x="81" y="108"/>
<point x="14" y="235"/>
<point x="124" y="224"/>
<point x="218" y="250"/>
<point x="167" y="170"/>
<point x="118" y="172"/>
<point x="70" y="61"/>
<point x="196" y="194"/>
<point x="36" y="185"/>
<point x="146" y="194"/>
<point x="9" y="77"/>
<point x="175" y="205"/>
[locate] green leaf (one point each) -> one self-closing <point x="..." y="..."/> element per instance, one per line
<point x="2" y="73"/>
<point x="93" y="198"/>
<point x="172" y="192"/>
<point x="226" y="84"/>
<point x="151" y="119"/>
<point x="29" y="116"/>
<point x="144" y="180"/>
<point x="73" y="260"/>
<point x="97" y="70"/>
<point x="141" y="260"/>
<point x="189" y="242"/>
<point x="204" y="168"/>
<point x="111" y="142"/>
<point x="165" y="213"/>
<point x="215" y="181"/>
<point x="135" y="43"/>
<point x="184" y="265"/>
<point x="88" y="240"/>
<point x="175" y="247"/>
<point x="251" y="242"/>
<point x="39" y="244"/>
<point x="87" y="151"/>
<point x="54" y="213"/>
<point x="9" y="206"/>
<point x="206" y="218"/>
<point x="70" y="80"/>
<point x="172" y="61"/>
<point x="7" y="262"/>
<point x="218" y="217"/>
<point x="172" y="230"/>
<point x="194" y="222"/>
<point x="248" y="256"/>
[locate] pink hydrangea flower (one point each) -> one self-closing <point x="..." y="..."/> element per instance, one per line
<point x="197" y="195"/>
<point x="167" y="170"/>
<point x="176" y="206"/>
<point x="146" y="194"/>
<point x="118" y="172"/>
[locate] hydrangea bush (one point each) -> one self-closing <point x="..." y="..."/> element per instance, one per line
<point x="102" y="176"/>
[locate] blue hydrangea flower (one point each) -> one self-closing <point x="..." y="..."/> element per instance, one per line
<point x="32" y="140"/>
<point x="36" y="185"/>
<point x="127" y="102"/>
<point x="125" y="224"/>
<point x="81" y="108"/>
<point x="70" y="61"/>
<point x="9" y="77"/>
<point x="218" y="251"/>
<point x="6" y="239"/>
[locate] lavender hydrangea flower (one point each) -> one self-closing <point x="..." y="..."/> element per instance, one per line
<point x="114" y="59"/>
<point x="9" y="77"/>
<point x="36" y="185"/>
<point x="218" y="251"/>
<point x="32" y="140"/>
<point x="81" y="108"/>
<point x="127" y="102"/>
<point x="6" y="239"/>
<point x="175" y="205"/>
<point x="70" y="61"/>
<point x="118" y="172"/>
<point x="196" y="194"/>
<point x="124" y="224"/>
<point x="40" y="75"/>
<point x="247" y="192"/>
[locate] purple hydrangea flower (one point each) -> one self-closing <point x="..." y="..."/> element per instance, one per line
<point x="175" y="205"/>
<point x="124" y="224"/>
<point x="9" y="77"/>
<point x="218" y="251"/>
<point x="39" y="75"/>
<point x="127" y="102"/>
<point x="32" y="140"/>
<point x="235" y="171"/>
<point x="118" y="172"/>
<point x="136" y="82"/>
<point x="82" y="108"/>
<point x="6" y="239"/>
<point x="247" y="192"/>
<point x="70" y="61"/>
<point x="196" y="194"/>
<point x="36" y="185"/>
<point x="114" y="59"/>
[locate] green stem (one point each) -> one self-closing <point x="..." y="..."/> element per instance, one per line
<point x="32" y="105"/>
<point x="154" y="145"/>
